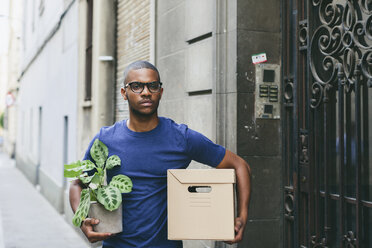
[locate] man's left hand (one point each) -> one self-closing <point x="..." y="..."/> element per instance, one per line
<point x="239" y="230"/>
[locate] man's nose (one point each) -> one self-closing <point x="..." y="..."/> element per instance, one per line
<point x="146" y="90"/>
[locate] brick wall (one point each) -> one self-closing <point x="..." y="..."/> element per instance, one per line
<point x="133" y="43"/>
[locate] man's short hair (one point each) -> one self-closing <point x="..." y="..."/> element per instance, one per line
<point x="140" y="64"/>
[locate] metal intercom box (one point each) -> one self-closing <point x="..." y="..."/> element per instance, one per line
<point x="267" y="94"/>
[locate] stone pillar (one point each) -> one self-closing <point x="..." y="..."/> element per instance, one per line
<point x="99" y="110"/>
<point x="103" y="70"/>
<point x="259" y="140"/>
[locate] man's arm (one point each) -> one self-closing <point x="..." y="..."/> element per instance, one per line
<point x="243" y="174"/>
<point x="87" y="226"/>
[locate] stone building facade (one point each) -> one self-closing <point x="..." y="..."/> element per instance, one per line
<point x="46" y="134"/>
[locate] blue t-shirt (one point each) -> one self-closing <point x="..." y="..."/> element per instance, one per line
<point x="145" y="158"/>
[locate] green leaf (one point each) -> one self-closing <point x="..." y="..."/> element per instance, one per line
<point x="72" y="173"/>
<point x="83" y="208"/>
<point x="110" y="197"/>
<point x="96" y="181"/>
<point x="72" y="165"/>
<point x="88" y="165"/>
<point x="122" y="182"/>
<point x="93" y="195"/>
<point x="99" y="171"/>
<point x="96" y="178"/>
<point x="85" y="178"/>
<point x="113" y="161"/>
<point x="99" y="153"/>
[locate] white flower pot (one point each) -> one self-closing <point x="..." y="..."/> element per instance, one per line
<point x="109" y="221"/>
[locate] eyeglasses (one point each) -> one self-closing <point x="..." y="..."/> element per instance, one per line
<point x="138" y="87"/>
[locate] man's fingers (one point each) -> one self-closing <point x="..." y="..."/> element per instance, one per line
<point x="95" y="236"/>
<point x="238" y="238"/>
<point x="91" y="221"/>
<point x="239" y="229"/>
<point x="238" y="225"/>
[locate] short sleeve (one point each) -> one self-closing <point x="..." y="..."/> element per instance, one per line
<point x="203" y="150"/>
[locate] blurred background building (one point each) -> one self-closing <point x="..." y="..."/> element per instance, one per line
<point x="300" y="118"/>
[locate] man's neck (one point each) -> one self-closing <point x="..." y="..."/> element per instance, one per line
<point x="142" y="124"/>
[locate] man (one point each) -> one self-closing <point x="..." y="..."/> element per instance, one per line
<point x="148" y="145"/>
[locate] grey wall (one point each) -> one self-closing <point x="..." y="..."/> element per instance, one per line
<point x="187" y="68"/>
<point x="259" y="140"/>
<point x="47" y="94"/>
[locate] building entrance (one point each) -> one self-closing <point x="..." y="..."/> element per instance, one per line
<point x="327" y="123"/>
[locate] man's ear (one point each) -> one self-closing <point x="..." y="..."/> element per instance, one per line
<point x="161" y="92"/>
<point x="124" y="93"/>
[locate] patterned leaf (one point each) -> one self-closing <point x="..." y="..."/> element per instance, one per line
<point x="113" y="161"/>
<point x="93" y="186"/>
<point x="73" y="172"/>
<point x="110" y="197"/>
<point x="73" y="169"/>
<point x="96" y="181"/>
<point x="72" y="165"/>
<point x="88" y="165"/>
<point x="83" y="208"/>
<point x="122" y="182"/>
<point x="93" y="194"/>
<point x="99" y="153"/>
<point x="85" y="178"/>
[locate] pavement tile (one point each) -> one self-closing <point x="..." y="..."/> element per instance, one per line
<point x="27" y="220"/>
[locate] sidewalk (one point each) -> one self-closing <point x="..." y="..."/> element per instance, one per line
<point x="27" y="220"/>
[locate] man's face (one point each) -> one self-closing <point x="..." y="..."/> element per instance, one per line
<point x="144" y="103"/>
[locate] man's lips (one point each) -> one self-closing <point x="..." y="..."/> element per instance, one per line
<point x="146" y="102"/>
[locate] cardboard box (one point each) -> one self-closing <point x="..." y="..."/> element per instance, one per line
<point x="201" y="204"/>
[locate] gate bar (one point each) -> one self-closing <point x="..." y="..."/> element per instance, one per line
<point x="358" y="158"/>
<point x="341" y="145"/>
<point x="327" y="219"/>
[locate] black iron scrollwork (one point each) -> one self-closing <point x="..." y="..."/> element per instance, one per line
<point x="289" y="205"/>
<point x="350" y="240"/>
<point x="304" y="156"/>
<point x="343" y="37"/>
<point x="303" y="35"/>
<point x="288" y="90"/>
<point x="318" y="242"/>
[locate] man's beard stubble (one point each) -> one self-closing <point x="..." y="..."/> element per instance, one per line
<point x="139" y="113"/>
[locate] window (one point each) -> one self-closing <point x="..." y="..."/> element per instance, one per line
<point x="88" y="52"/>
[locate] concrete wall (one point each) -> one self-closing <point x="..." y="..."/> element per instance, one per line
<point x="48" y="94"/>
<point x="259" y="140"/>
<point x="185" y="50"/>
<point x="11" y="113"/>
<point x="3" y="82"/>
<point x="4" y="44"/>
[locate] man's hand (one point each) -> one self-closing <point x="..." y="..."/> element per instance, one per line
<point x="87" y="228"/>
<point x="243" y="176"/>
<point x="239" y="230"/>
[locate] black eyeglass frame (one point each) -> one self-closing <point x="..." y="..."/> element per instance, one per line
<point x="143" y="86"/>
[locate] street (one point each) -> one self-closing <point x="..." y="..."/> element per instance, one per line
<point x="27" y="220"/>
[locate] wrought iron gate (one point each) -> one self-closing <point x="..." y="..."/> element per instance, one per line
<point x="327" y="123"/>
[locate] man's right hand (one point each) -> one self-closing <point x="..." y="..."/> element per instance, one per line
<point x="87" y="228"/>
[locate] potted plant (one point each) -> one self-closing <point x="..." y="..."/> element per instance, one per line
<point x="99" y="199"/>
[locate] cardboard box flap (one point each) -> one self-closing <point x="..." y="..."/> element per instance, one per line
<point x="192" y="176"/>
